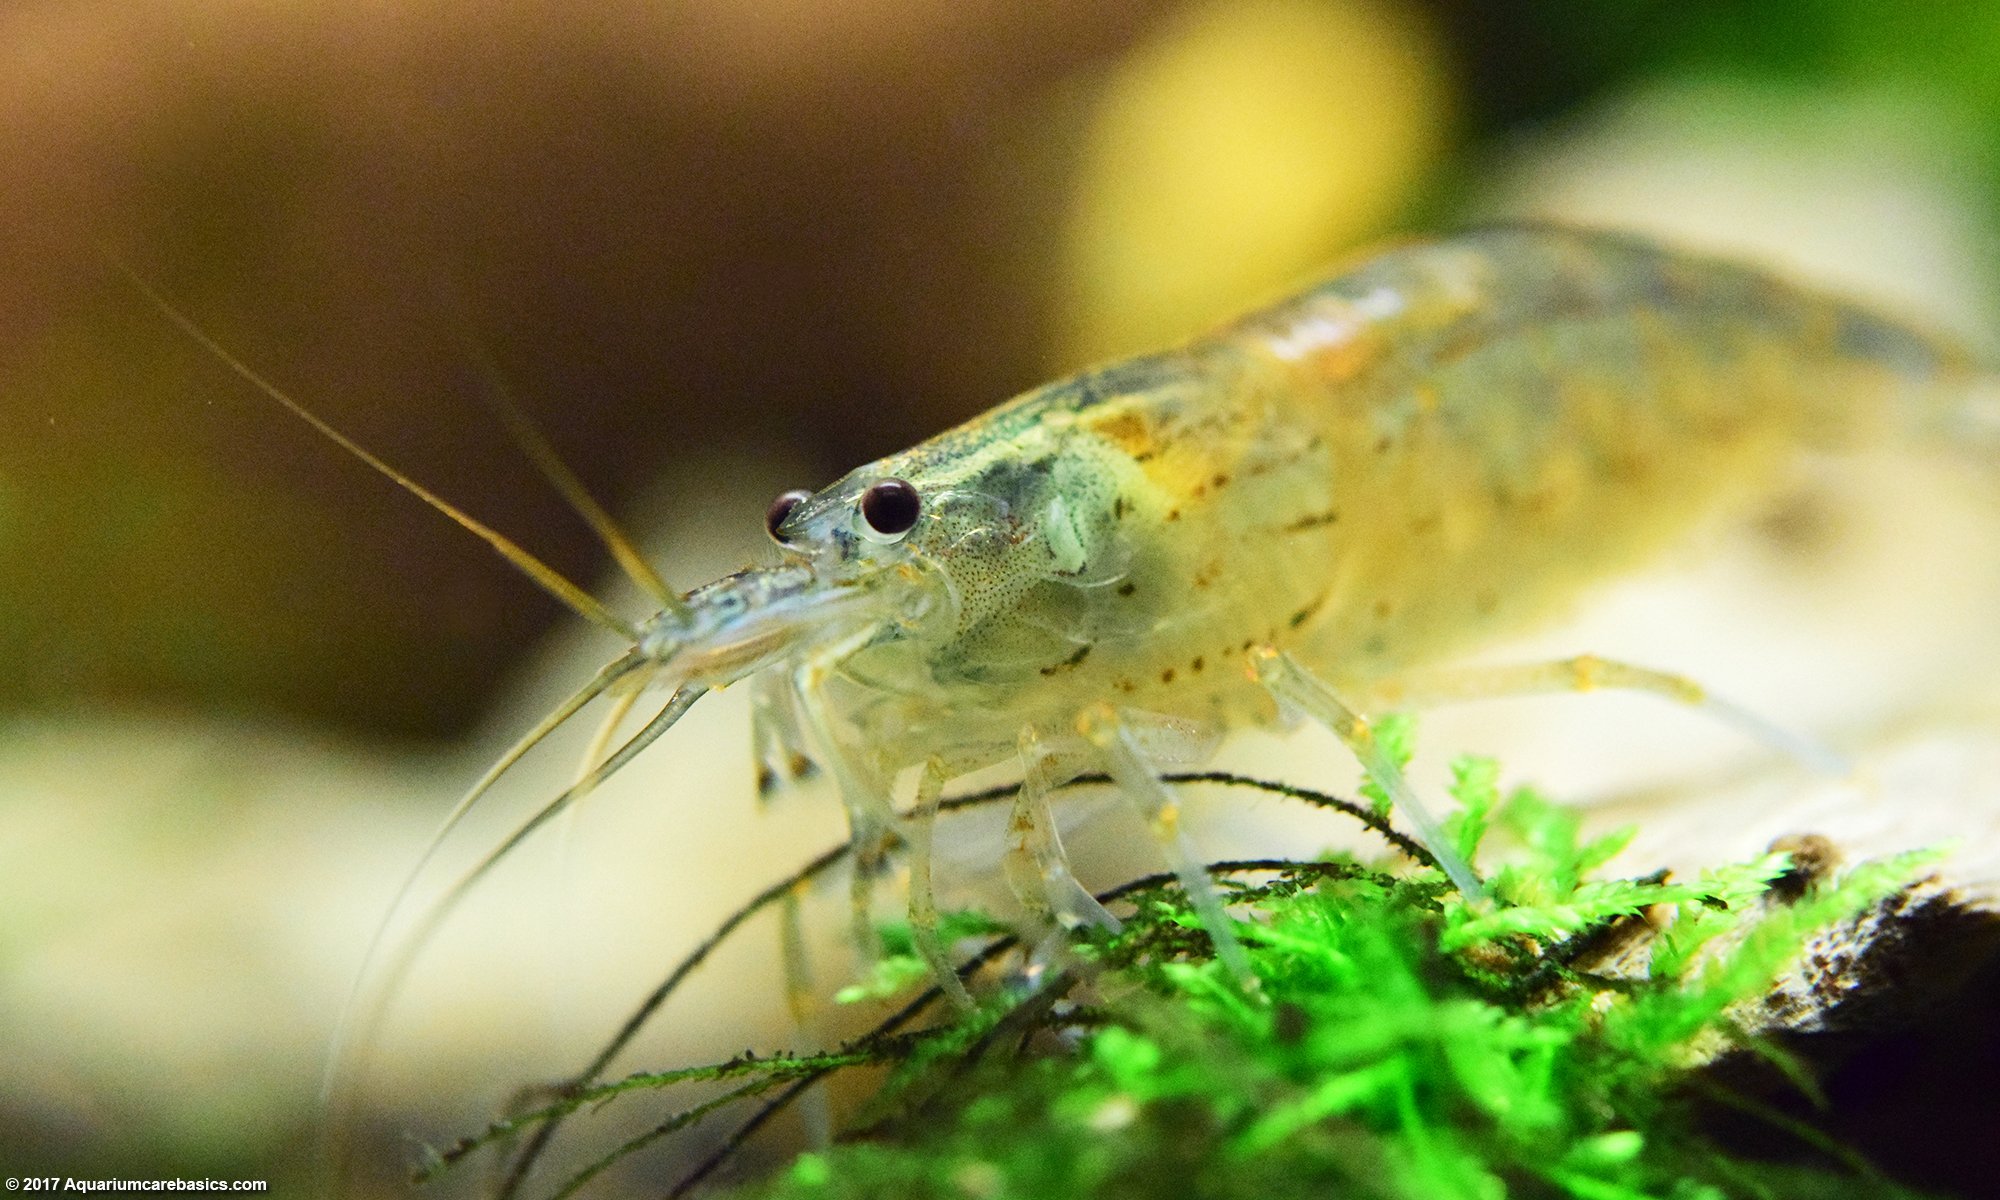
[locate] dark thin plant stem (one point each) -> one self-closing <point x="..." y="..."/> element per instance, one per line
<point x="532" y="1150"/>
<point x="728" y="1149"/>
<point x="882" y="1031"/>
<point x="1039" y="1002"/>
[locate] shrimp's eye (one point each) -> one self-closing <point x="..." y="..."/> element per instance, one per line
<point x="780" y="509"/>
<point x="889" y="510"/>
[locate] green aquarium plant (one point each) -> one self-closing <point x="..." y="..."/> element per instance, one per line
<point x="1553" y="1038"/>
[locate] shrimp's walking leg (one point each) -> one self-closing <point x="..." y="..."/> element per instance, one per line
<point x="1037" y="868"/>
<point x="870" y="840"/>
<point x="871" y="817"/>
<point x="917" y="830"/>
<point x="1587" y="672"/>
<point x="1293" y="684"/>
<point x="778" y="747"/>
<point x="1136" y="777"/>
<point x="809" y="1019"/>
<point x="792" y="954"/>
<point x="776" y="737"/>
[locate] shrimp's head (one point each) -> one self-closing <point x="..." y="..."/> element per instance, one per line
<point x="843" y="585"/>
<point x="984" y="535"/>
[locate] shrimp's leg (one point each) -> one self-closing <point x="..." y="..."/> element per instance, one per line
<point x="1127" y="765"/>
<point x="797" y="962"/>
<point x="777" y="743"/>
<point x="918" y="828"/>
<point x="871" y="817"/>
<point x="776" y="737"/>
<point x="1037" y="868"/>
<point x="1293" y="684"/>
<point x="809" y="1022"/>
<point x="1587" y="672"/>
<point x="868" y="841"/>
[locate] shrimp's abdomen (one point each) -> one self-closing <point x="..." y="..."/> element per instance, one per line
<point x="1455" y="439"/>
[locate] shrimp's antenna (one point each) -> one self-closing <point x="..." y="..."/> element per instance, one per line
<point x="535" y="444"/>
<point x="675" y="708"/>
<point x="612" y="672"/>
<point x="368" y="1017"/>
<point x="551" y="581"/>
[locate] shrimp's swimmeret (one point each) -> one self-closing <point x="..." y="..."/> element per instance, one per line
<point x="1304" y="512"/>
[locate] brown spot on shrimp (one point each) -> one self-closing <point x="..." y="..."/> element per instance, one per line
<point x="1069" y="664"/>
<point x="1313" y="521"/>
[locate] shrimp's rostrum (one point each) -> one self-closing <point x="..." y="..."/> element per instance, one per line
<point x="1306" y="511"/>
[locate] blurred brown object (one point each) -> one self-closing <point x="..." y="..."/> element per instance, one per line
<point x="674" y="227"/>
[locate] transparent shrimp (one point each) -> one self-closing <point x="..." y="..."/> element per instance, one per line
<point x="1311" y="508"/>
<point x="1303" y="513"/>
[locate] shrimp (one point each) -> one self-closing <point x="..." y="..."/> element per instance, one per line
<point x="1302" y="514"/>
<point x="1307" y="510"/>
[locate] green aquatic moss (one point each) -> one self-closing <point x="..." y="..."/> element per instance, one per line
<point x="1397" y="1042"/>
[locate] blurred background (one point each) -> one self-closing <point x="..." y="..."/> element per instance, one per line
<point x="719" y="248"/>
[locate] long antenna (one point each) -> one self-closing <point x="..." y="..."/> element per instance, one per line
<point x="351" y="1016"/>
<point x="535" y="444"/>
<point x="366" y="1012"/>
<point x="551" y="581"/>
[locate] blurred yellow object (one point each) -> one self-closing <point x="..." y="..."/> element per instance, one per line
<point x="1235" y="152"/>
